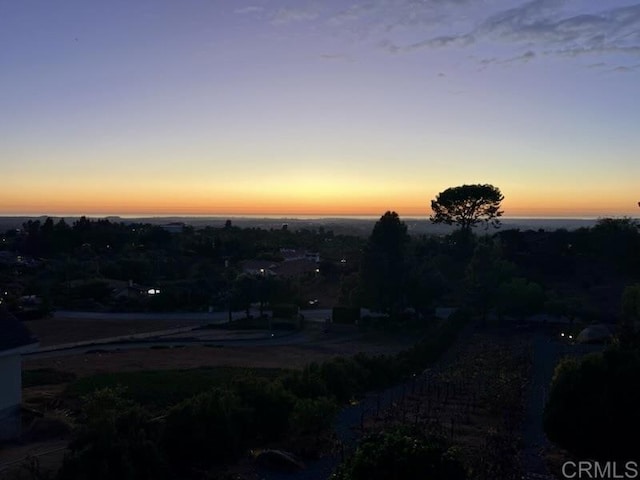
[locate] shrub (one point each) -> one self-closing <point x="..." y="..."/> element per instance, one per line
<point x="383" y="370"/>
<point x="118" y="439"/>
<point x="313" y="415"/>
<point x="344" y="377"/>
<point x="270" y="403"/>
<point x="307" y="383"/>
<point x="592" y="408"/>
<point x="210" y="428"/>
<point x="399" y="454"/>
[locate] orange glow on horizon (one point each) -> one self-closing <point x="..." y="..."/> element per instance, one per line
<point x="305" y="200"/>
<point x="275" y="208"/>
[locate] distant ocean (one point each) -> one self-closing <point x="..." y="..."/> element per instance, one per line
<point x="359" y="224"/>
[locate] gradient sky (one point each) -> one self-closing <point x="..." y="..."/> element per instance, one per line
<point x="216" y="107"/>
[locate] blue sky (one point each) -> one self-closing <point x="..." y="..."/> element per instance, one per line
<point x="318" y="107"/>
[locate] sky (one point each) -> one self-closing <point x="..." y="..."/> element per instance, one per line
<point x="308" y="107"/>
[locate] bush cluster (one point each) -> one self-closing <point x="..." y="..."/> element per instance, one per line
<point x="592" y="410"/>
<point x="401" y="453"/>
<point x="120" y="439"/>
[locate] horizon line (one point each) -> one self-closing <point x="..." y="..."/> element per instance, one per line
<point x="292" y="216"/>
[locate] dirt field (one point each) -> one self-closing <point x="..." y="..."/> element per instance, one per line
<point x="288" y="356"/>
<point x="56" y="331"/>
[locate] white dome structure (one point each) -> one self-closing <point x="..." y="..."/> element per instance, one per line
<point x="599" y="333"/>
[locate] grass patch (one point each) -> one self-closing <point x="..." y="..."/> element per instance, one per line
<point x="163" y="388"/>
<point x="45" y="376"/>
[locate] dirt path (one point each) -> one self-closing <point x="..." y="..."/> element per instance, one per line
<point x="546" y="353"/>
<point x="55" y="331"/>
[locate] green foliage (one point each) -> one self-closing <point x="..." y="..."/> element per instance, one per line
<point x="307" y="383"/>
<point x="618" y="241"/>
<point x="399" y="454"/>
<point x="344" y="377"/>
<point x="429" y="349"/>
<point x="592" y="410"/>
<point x="270" y="403"/>
<point x="162" y="388"/>
<point x="485" y="272"/>
<point x="382" y="274"/>
<point x="467" y="206"/>
<point x="519" y="297"/>
<point x="118" y="439"/>
<point x="210" y="428"/>
<point x="390" y="234"/>
<point x="350" y="290"/>
<point x="425" y="286"/>
<point x="313" y="415"/>
<point x="383" y="370"/>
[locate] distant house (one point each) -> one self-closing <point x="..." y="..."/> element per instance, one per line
<point x="291" y="254"/>
<point x="259" y="267"/>
<point x="287" y="268"/>
<point x="15" y="340"/>
<point x="133" y="290"/>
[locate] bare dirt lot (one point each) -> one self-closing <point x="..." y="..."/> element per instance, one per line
<point x="56" y="331"/>
<point x="282" y="356"/>
<point x="343" y="340"/>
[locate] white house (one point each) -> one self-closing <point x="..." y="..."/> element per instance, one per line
<point x="259" y="267"/>
<point x="15" y="340"/>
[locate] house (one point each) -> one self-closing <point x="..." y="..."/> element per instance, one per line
<point x="259" y="267"/>
<point x="15" y="340"/>
<point x="291" y="254"/>
<point x="133" y="290"/>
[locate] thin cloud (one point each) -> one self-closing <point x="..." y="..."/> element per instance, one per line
<point x="435" y="42"/>
<point x="336" y="57"/>
<point x="535" y="27"/>
<point x="249" y="9"/>
<point x="523" y="32"/>
<point x="524" y="58"/>
<point x="626" y="69"/>
<point x="445" y="41"/>
<point x="291" y="15"/>
<point x="616" y="30"/>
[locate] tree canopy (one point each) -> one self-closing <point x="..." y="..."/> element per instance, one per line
<point x="467" y="206"/>
<point x="383" y="264"/>
<point x="592" y="409"/>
